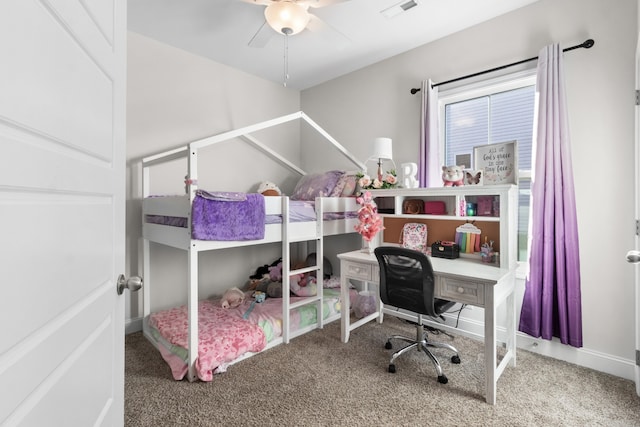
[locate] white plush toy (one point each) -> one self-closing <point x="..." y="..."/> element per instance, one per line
<point x="453" y="176"/>
<point x="232" y="298"/>
<point x="268" y="188"/>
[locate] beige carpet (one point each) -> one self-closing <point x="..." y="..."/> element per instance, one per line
<point x="318" y="381"/>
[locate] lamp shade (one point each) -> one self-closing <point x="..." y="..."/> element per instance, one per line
<point x="382" y="149"/>
<point x="286" y="17"/>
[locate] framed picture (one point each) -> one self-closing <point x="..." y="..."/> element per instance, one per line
<point x="499" y="162"/>
<point x="473" y="176"/>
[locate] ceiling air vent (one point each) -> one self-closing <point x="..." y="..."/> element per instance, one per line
<point x="398" y="8"/>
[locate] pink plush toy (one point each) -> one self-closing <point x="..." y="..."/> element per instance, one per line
<point x="453" y="176"/>
<point x="232" y="298"/>
<point x="275" y="272"/>
<point x="303" y="285"/>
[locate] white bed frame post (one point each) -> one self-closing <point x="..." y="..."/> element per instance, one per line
<point x="192" y="253"/>
<point x="146" y="256"/>
<point x="286" y="273"/>
<point x="320" y="260"/>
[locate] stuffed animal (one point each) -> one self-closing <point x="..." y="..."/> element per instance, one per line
<point x="275" y="272"/>
<point x="303" y="285"/>
<point x="268" y="188"/>
<point x="263" y="271"/>
<point x="453" y="176"/>
<point x="232" y="298"/>
<point x="257" y="284"/>
<point x="267" y="279"/>
<point x="274" y="290"/>
<point x="259" y="296"/>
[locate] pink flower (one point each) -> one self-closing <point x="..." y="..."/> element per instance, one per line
<point x="365" y="181"/>
<point x="370" y="222"/>
<point x="391" y="179"/>
<point x="365" y="198"/>
<point x="377" y="183"/>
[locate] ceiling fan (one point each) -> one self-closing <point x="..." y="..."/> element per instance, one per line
<point x="288" y="17"/>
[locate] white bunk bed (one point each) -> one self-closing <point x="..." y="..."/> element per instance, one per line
<point x="285" y="231"/>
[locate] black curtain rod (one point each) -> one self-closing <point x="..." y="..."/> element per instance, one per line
<point x="587" y="44"/>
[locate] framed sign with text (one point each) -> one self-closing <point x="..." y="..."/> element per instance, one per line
<point x="499" y="162"/>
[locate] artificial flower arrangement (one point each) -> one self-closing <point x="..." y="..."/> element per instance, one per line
<point x="370" y="222"/>
<point x="389" y="180"/>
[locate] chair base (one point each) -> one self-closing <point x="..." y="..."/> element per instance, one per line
<point x="421" y="343"/>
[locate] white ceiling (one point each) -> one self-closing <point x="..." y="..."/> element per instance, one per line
<point x="349" y="35"/>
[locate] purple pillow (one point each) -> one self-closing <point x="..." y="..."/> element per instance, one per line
<point x="316" y="185"/>
<point x="346" y="185"/>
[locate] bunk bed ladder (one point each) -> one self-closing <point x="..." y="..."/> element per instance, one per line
<point x="287" y="272"/>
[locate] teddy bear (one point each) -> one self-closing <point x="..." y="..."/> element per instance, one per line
<point x="453" y="176"/>
<point x="268" y="188"/>
<point x="232" y="298"/>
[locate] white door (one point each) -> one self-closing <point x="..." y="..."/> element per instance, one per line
<point x="62" y="159"/>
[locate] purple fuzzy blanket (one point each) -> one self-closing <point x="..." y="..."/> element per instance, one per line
<point x="228" y="216"/>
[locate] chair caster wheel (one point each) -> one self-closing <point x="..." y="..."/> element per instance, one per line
<point x="392" y="369"/>
<point x="442" y="379"/>
<point x="455" y="359"/>
<point x="388" y="345"/>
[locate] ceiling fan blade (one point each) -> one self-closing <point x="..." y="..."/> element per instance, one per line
<point x="329" y="33"/>
<point x="321" y="3"/>
<point x="262" y="36"/>
<point x="259" y="2"/>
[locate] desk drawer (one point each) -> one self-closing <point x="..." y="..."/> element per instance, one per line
<point x="358" y="271"/>
<point x="462" y="291"/>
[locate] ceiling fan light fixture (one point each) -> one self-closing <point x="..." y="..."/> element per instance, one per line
<point x="287" y="17"/>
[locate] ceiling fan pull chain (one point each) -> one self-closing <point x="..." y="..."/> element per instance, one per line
<point x="286" y="59"/>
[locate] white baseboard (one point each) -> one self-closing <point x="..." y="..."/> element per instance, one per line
<point x="133" y="325"/>
<point x="610" y="364"/>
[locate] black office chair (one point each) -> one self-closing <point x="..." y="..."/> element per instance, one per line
<point x="407" y="282"/>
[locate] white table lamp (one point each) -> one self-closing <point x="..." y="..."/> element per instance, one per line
<point x="382" y="150"/>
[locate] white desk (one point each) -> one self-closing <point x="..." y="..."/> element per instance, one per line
<point x="459" y="280"/>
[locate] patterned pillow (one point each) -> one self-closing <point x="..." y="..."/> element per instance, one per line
<point x="337" y="190"/>
<point x="316" y="185"/>
<point x="350" y="185"/>
<point x="346" y="185"/>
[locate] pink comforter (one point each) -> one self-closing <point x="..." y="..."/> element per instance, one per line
<point x="223" y="338"/>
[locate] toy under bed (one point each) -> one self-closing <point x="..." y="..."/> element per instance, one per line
<point x="225" y="335"/>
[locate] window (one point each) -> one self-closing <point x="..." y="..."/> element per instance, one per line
<point x="494" y="111"/>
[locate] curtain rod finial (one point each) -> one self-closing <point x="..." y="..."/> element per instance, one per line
<point x="415" y="90"/>
<point x="588" y="43"/>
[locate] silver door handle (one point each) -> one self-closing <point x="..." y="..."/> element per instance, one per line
<point x="133" y="284"/>
<point x="633" y="257"/>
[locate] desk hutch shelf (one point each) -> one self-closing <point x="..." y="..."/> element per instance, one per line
<point x="498" y="222"/>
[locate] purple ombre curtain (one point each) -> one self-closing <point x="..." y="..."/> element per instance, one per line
<point x="429" y="168"/>
<point x="552" y="301"/>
